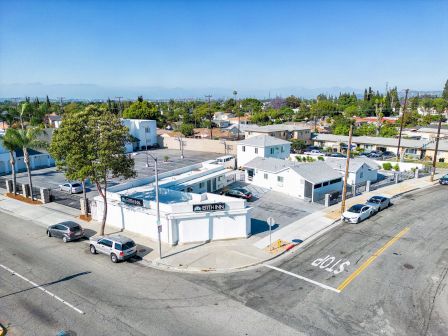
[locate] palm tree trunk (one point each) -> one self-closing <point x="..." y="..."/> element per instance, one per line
<point x="103" y="195"/>
<point x="12" y="161"/>
<point x="28" y="170"/>
<point x="84" y="194"/>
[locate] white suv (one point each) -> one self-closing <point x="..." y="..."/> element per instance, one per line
<point x="116" y="246"/>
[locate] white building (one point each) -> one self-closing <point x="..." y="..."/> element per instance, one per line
<point x="302" y="180"/>
<point x="38" y="160"/>
<point x="189" y="212"/>
<point x="262" y="146"/>
<point x="145" y="131"/>
<point x="360" y="170"/>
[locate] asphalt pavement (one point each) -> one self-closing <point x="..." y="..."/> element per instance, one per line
<point x="385" y="276"/>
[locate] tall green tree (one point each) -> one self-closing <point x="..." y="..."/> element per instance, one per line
<point x="69" y="147"/>
<point x="100" y="152"/>
<point x="142" y="109"/>
<point x="445" y="91"/>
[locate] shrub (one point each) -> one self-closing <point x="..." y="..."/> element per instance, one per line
<point x="166" y="158"/>
<point x="387" y="166"/>
<point x="310" y="159"/>
<point x="396" y="167"/>
<point x="320" y="158"/>
<point x="298" y="158"/>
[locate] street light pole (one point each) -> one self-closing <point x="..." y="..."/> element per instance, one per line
<point x="347" y="163"/>
<point x="159" y="226"/>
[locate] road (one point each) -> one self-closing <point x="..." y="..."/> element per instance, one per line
<point x="401" y="292"/>
<point x="390" y="280"/>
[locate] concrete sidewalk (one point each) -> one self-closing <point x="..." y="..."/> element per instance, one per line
<point x="215" y="256"/>
<point x="201" y="257"/>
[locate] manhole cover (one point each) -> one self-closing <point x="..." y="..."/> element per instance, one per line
<point x="408" y="266"/>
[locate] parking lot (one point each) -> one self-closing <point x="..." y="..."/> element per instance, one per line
<point x="168" y="159"/>
<point x="267" y="203"/>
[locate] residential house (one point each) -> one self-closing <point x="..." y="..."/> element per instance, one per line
<point x="262" y="146"/>
<point x="302" y="180"/>
<point x="411" y="147"/>
<point x="360" y="170"/>
<point x="144" y="132"/>
<point x="280" y="131"/>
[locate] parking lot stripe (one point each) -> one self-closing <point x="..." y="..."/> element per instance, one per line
<point x="304" y="279"/>
<point x="42" y="289"/>
<point x="361" y="268"/>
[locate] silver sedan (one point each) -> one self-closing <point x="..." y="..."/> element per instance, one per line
<point x="72" y="188"/>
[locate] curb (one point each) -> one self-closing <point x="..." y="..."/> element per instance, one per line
<point x="289" y="250"/>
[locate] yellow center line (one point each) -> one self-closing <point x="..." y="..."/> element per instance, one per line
<point x="371" y="259"/>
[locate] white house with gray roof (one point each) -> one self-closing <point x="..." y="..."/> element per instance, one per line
<point x="262" y="146"/>
<point x="302" y="180"/>
<point x="360" y="170"/>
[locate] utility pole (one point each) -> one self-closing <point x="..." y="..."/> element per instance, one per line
<point x="60" y="104"/>
<point x="347" y="163"/>
<point x="119" y="106"/>
<point x="401" y="124"/>
<point x="210" y="115"/>
<point x="238" y="113"/>
<point x="159" y="226"/>
<point x="434" y="160"/>
<point x="181" y="146"/>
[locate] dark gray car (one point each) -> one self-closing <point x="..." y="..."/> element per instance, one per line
<point x="68" y="231"/>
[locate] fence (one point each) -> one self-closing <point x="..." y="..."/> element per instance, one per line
<point x="384" y="182"/>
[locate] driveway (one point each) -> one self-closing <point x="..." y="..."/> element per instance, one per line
<point x="283" y="208"/>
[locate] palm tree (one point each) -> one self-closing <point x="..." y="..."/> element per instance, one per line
<point x="8" y="142"/>
<point x="27" y="139"/>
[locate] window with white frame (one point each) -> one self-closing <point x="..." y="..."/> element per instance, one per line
<point x="272" y="150"/>
<point x="147" y="130"/>
<point x="280" y="181"/>
<point x="265" y="176"/>
<point x="256" y="150"/>
<point x="243" y="148"/>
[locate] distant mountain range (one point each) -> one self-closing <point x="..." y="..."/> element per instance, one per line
<point x="99" y="92"/>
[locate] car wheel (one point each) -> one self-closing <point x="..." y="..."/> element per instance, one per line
<point x="113" y="258"/>
<point x="64" y="239"/>
<point x="92" y="249"/>
<point x="358" y="220"/>
<point x="48" y="233"/>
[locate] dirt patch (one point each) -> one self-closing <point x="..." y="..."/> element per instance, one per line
<point x="86" y="218"/>
<point x="408" y="266"/>
<point x="23" y="199"/>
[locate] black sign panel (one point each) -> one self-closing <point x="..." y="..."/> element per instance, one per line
<point x="132" y="201"/>
<point x="209" y="207"/>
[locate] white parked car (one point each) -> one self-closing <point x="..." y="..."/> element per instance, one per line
<point x="314" y="152"/>
<point x="72" y="188"/>
<point x="357" y="213"/>
<point x="378" y="203"/>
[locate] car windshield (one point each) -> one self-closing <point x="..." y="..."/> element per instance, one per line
<point x="244" y="191"/>
<point x="75" y="185"/>
<point x="126" y="246"/>
<point x="374" y="200"/>
<point x="75" y="228"/>
<point x="356" y="208"/>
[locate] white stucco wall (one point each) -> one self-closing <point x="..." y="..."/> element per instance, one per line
<point x="279" y="152"/>
<point x="179" y="224"/>
<point x="137" y="129"/>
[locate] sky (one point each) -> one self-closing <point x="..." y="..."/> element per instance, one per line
<point x="96" y="48"/>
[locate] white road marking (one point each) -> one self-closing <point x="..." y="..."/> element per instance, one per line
<point x="42" y="289"/>
<point x="304" y="279"/>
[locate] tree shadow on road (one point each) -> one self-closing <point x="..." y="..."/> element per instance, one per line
<point x="67" y="278"/>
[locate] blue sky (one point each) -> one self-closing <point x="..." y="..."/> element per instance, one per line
<point x="253" y="46"/>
